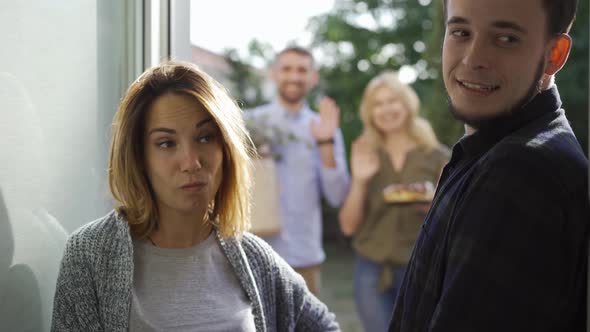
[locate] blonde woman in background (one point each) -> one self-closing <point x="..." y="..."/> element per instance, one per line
<point x="174" y="255"/>
<point x="397" y="147"/>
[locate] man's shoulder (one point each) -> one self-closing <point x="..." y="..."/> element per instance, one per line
<point x="550" y="160"/>
<point x="261" y="109"/>
<point x="551" y="146"/>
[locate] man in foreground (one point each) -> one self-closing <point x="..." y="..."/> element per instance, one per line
<point x="504" y="246"/>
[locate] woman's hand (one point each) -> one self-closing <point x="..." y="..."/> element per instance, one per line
<point x="364" y="160"/>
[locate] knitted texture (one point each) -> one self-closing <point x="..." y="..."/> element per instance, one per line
<point x="93" y="291"/>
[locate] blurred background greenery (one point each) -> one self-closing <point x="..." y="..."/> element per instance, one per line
<point x="357" y="40"/>
<point x="360" y="38"/>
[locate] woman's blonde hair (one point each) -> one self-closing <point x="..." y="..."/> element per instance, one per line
<point x="417" y="127"/>
<point x="127" y="175"/>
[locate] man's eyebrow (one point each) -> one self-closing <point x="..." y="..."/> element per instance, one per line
<point x="172" y="131"/>
<point x="457" y="20"/>
<point x="509" y="25"/>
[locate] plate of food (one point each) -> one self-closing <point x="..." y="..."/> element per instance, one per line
<point x="417" y="192"/>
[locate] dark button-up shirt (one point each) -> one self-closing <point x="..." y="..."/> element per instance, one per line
<point x="504" y="246"/>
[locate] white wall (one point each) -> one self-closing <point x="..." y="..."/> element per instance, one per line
<point x="63" y="65"/>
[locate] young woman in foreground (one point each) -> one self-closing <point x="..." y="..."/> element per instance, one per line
<point x="174" y="255"/>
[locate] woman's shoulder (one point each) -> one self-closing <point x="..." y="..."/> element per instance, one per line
<point x="442" y="151"/>
<point x="256" y="247"/>
<point x="261" y="256"/>
<point x="100" y="233"/>
<point x="111" y="223"/>
<point x="437" y="153"/>
<point x="267" y="264"/>
<point x="366" y="139"/>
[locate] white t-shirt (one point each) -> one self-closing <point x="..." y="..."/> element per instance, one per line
<point x="192" y="289"/>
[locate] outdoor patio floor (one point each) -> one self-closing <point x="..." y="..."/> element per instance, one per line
<point x="336" y="289"/>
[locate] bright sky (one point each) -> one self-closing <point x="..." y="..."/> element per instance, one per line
<point x="220" y="24"/>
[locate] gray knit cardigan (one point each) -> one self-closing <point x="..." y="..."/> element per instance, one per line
<point x="93" y="291"/>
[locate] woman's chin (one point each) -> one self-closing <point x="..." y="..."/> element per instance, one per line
<point x="391" y="130"/>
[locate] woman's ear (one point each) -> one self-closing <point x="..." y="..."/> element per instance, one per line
<point x="558" y="54"/>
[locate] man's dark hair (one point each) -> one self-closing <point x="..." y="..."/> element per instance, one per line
<point x="560" y="15"/>
<point x="298" y="50"/>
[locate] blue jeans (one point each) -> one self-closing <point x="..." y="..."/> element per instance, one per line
<point x="374" y="307"/>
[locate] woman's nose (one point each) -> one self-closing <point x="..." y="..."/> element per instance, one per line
<point x="190" y="160"/>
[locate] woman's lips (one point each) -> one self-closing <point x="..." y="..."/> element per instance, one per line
<point x="194" y="186"/>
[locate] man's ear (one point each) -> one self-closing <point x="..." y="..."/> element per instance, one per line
<point x="272" y="73"/>
<point x="560" y="50"/>
<point x="315" y="79"/>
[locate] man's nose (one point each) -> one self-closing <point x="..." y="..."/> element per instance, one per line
<point x="295" y="76"/>
<point x="477" y="54"/>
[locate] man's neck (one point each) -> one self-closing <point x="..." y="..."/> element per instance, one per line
<point x="547" y="83"/>
<point x="291" y="107"/>
<point x="469" y="130"/>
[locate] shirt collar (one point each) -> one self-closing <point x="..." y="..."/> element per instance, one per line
<point x="484" y="138"/>
<point x="288" y="114"/>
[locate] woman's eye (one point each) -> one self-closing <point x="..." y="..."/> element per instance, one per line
<point x="206" y="138"/>
<point x="165" y="144"/>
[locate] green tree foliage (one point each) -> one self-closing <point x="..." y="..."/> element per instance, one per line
<point x="247" y="79"/>
<point x="361" y="38"/>
<point x="572" y="80"/>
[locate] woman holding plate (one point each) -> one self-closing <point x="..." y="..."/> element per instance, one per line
<point x="394" y="164"/>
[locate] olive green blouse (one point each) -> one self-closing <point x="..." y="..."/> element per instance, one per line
<point x="389" y="231"/>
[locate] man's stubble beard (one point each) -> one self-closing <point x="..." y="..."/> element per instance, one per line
<point x="483" y="121"/>
<point x="290" y="100"/>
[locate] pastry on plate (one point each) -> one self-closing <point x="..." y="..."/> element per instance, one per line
<point x="417" y="192"/>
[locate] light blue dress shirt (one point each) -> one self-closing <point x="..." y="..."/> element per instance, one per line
<point x="303" y="180"/>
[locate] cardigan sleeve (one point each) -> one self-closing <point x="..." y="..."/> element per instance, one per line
<point x="75" y="302"/>
<point x="288" y="304"/>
